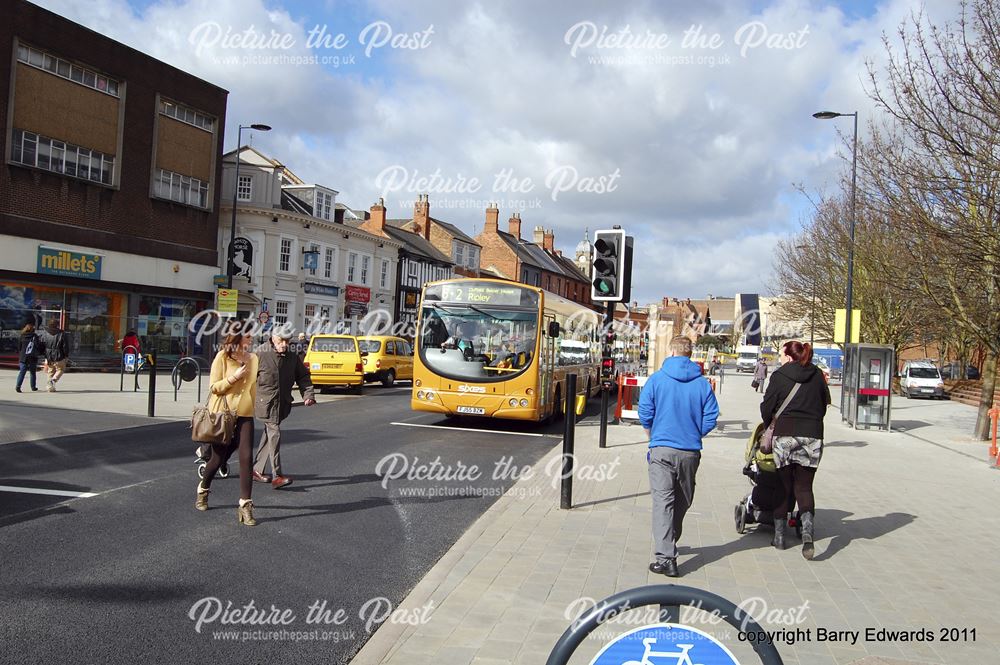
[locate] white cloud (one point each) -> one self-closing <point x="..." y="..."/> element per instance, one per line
<point x="707" y="155"/>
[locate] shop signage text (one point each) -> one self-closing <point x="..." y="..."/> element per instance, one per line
<point x="358" y="293"/>
<point x="322" y="289"/>
<point x="68" y="264"/>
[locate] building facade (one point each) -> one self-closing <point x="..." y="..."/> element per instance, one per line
<point x="293" y="258"/>
<point x="447" y="238"/>
<point x="109" y="194"/>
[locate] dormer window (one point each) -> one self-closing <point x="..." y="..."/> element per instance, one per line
<point x="324" y="205"/>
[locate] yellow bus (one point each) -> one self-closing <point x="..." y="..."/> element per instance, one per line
<point x="501" y="350"/>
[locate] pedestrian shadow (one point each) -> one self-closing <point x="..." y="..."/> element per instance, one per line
<point x="907" y="425"/>
<point x="843" y="531"/>
<point x="349" y="507"/>
<point x="739" y="425"/>
<point x="310" y="482"/>
<point x="611" y="499"/>
<point x="845" y="444"/>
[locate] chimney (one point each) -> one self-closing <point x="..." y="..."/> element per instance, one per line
<point x="422" y="216"/>
<point x="376" y="222"/>
<point x="539" y="235"/>
<point x="514" y="225"/>
<point x="492" y="219"/>
<point x="548" y="240"/>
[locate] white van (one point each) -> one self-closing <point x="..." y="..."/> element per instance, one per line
<point x="746" y="358"/>
<point x="921" y="378"/>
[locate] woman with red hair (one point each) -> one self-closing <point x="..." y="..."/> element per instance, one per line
<point x="798" y="435"/>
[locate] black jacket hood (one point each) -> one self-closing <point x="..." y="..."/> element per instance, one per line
<point x="797" y="372"/>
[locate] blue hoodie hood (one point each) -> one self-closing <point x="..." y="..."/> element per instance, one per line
<point x="681" y="368"/>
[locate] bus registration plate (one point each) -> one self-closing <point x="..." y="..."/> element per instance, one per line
<point x="473" y="410"/>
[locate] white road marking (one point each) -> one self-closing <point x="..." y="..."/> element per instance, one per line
<point x="470" y="429"/>
<point x="36" y="490"/>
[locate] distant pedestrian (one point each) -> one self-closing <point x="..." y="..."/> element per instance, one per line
<point x="798" y="436"/>
<point x="677" y="408"/>
<point x="760" y="375"/>
<point x="233" y="384"/>
<point x="30" y="349"/>
<point x="56" y="354"/>
<point x="277" y="370"/>
<point x="301" y="347"/>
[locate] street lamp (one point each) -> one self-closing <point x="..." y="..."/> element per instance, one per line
<point x="236" y="187"/>
<point x="812" y="307"/>
<point x="829" y="115"/>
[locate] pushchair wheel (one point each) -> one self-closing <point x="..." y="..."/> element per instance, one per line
<point x="224" y="471"/>
<point x="201" y="470"/>
<point x="794" y="521"/>
<point x="741" y="518"/>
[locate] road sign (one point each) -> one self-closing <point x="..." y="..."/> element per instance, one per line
<point x="264" y="317"/>
<point x="667" y="643"/>
<point x="130" y="362"/>
<point x="228" y="299"/>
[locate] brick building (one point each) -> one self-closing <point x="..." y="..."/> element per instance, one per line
<point x="108" y="192"/>
<point x="447" y="238"/>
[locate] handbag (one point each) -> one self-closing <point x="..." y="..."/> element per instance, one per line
<point x="767" y="438"/>
<point x="755" y="384"/>
<point x="212" y="426"/>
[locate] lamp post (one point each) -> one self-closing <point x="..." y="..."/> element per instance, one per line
<point x="236" y="188"/>
<point x="829" y="115"/>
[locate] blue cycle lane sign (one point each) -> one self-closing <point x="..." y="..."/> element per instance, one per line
<point x="665" y="644"/>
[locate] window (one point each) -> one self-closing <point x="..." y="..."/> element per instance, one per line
<point x="285" y="256"/>
<point x="412" y="270"/>
<point x="314" y="248"/>
<point x="459" y="254"/>
<point x="63" y="69"/>
<point x="352" y="262"/>
<point x="180" y="188"/>
<point x="53" y="155"/>
<point x="383" y="279"/>
<point x="390" y="348"/>
<point x="365" y="262"/>
<point x="281" y="310"/>
<point x="473" y="262"/>
<point x="244" y="189"/>
<point x="328" y="263"/>
<point x="187" y="115"/>
<point x="323" y="204"/>
<point x="310" y="313"/>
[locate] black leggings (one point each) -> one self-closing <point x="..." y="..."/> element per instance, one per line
<point x="798" y="481"/>
<point x="243" y="440"/>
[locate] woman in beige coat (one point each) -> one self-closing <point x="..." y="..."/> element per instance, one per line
<point x="233" y="383"/>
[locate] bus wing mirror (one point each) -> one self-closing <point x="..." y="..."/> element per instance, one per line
<point x="553" y="329"/>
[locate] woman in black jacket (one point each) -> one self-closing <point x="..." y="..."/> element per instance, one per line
<point x="798" y="435"/>
<point x="29" y="351"/>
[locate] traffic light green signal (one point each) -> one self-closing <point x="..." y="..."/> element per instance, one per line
<point x="609" y="274"/>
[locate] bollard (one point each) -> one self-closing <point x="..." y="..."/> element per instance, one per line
<point x="569" y="440"/>
<point x="603" y="439"/>
<point x="151" y="406"/>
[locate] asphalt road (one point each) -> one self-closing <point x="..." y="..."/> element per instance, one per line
<point x="117" y="577"/>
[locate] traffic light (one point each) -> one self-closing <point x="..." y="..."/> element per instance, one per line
<point x="611" y="273"/>
<point x="608" y="368"/>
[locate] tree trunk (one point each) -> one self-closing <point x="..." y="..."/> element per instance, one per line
<point x="989" y="375"/>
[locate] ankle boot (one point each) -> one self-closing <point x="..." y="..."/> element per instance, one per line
<point x="201" y="502"/>
<point x="245" y="514"/>
<point x="779" y="533"/>
<point x="807" y="535"/>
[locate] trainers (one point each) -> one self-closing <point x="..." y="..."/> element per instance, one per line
<point x="280" y="481"/>
<point x="51" y="388"/>
<point x="201" y="502"/>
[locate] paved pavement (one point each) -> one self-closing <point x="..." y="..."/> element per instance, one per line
<point x="906" y="541"/>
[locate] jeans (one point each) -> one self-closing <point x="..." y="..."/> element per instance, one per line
<point x="27" y="368"/>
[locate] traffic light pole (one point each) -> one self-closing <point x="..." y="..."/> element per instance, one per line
<point x="609" y="318"/>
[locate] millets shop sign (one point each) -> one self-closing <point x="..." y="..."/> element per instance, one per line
<point x="68" y="264"/>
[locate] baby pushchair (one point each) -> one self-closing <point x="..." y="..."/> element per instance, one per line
<point x="758" y="506"/>
<point x="201" y="456"/>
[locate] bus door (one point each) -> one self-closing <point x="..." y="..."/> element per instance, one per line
<point x="546" y="365"/>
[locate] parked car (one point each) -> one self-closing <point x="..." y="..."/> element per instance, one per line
<point x="921" y="378"/>
<point x="388" y="359"/>
<point x="821" y="364"/>
<point x="336" y="360"/>
<point x="951" y="371"/>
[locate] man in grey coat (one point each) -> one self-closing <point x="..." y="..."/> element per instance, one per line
<point x="279" y="368"/>
<point x="760" y="375"/>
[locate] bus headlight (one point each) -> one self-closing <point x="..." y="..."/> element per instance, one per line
<point x="428" y="395"/>
<point x="524" y="402"/>
<point x="420" y="394"/>
<point x="513" y="401"/>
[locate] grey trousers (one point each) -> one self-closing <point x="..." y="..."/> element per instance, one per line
<point x="671" y="484"/>
<point x="269" y="450"/>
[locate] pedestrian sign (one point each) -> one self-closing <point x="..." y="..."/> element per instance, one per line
<point x="665" y="644"/>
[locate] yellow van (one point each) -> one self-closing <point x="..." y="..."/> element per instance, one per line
<point x="389" y="359"/>
<point x="335" y="360"/>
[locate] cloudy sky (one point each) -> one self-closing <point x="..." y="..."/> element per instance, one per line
<point x="689" y="124"/>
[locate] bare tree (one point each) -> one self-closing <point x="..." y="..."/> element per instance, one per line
<point x="933" y="170"/>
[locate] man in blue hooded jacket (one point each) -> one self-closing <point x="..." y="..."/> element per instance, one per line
<point x="677" y="407"/>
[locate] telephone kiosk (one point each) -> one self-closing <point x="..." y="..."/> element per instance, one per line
<point x="868" y="373"/>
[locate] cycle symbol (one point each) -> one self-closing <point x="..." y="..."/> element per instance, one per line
<point x="681" y="658"/>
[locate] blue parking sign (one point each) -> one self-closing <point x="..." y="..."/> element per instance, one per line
<point x="130" y="362"/>
<point x="665" y="644"/>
